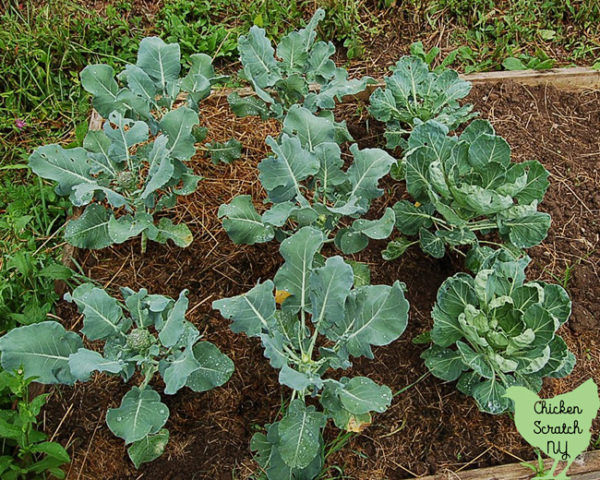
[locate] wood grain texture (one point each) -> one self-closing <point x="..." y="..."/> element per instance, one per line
<point x="587" y="467"/>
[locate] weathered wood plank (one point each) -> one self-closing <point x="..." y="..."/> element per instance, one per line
<point x="564" y="78"/>
<point x="586" y="467"/>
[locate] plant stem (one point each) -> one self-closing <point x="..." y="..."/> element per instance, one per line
<point x="481" y="226"/>
<point x="148" y="376"/>
<point x="144" y="242"/>
<point x="301" y="332"/>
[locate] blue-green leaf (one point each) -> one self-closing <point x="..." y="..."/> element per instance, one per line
<point x="42" y="350"/>
<point x="102" y="314"/>
<point x="242" y="222"/>
<point x="299" y="434"/>
<point x="148" y="448"/>
<point x="298" y="252"/>
<point x="141" y="413"/>
<point x="251" y="312"/>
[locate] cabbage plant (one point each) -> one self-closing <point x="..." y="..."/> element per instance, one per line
<point x="311" y="320"/>
<point x="283" y="77"/>
<point x="148" y="334"/>
<point x="135" y="167"/>
<point x="413" y="95"/>
<point x="465" y="184"/>
<point x="495" y="330"/>
<point x="307" y="184"/>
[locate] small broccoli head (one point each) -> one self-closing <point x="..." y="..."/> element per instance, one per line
<point x="126" y="180"/>
<point x="140" y="339"/>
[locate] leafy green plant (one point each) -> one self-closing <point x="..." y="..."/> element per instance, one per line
<point x="524" y="61"/>
<point x="503" y="330"/>
<point x="305" y="182"/>
<point x="428" y="56"/>
<point x="466" y="184"/>
<point x="322" y="321"/>
<point x="28" y="295"/>
<point x="284" y="82"/>
<point x="191" y="24"/>
<point x="29" y="266"/>
<point x="25" y="453"/>
<point x="149" y="334"/>
<point x="136" y="163"/>
<point x="413" y="94"/>
<point x="538" y="468"/>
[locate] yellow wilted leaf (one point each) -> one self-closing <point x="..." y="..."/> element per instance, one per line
<point x="418" y="204"/>
<point x="281" y="295"/>
<point x="358" y="424"/>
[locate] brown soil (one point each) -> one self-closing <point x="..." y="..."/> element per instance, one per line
<point x="429" y="428"/>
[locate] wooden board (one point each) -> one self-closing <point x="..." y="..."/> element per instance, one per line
<point x="586" y="467"/>
<point x="564" y="78"/>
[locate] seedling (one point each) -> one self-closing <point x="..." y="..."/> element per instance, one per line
<point x="282" y="82"/>
<point x="414" y="95"/>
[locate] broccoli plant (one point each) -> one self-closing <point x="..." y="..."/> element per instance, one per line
<point x="305" y="181"/>
<point x="321" y="322"/>
<point x="494" y="330"/>
<point x="413" y="95"/>
<point x="148" y="334"/>
<point x="134" y="167"/>
<point x="466" y="184"/>
<point x="286" y="80"/>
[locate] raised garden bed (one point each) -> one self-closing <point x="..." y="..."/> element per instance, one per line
<point x="430" y="428"/>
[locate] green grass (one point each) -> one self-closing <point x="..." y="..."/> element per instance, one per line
<point x="533" y="32"/>
<point x="30" y="226"/>
<point x="213" y="26"/>
<point x="43" y="49"/>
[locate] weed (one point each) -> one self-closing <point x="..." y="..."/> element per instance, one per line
<point x="523" y="31"/>
<point x="29" y="263"/>
<point x="25" y="452"/>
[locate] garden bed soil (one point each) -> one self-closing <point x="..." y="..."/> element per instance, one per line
<point x="429" y="428"/>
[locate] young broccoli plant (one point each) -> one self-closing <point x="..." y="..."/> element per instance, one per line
<point x="133" y="168"/>
<point x="466" y="184"/>
<point x="494" y="331"/>
<point x="322" y="321"/>
<point x="149" y="334"/>
<point x="286" y="80"/>
<point x="305" y="181"/>
<point x="413" y="95"/>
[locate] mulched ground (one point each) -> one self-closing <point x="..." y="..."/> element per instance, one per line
<point x="429" y="428"/>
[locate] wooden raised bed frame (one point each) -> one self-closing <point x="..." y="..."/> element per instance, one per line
<point x="587" y="466"/>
